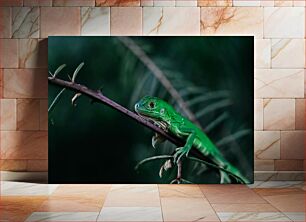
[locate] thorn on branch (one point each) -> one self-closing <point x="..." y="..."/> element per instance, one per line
<point x="75" y="97"/>
<point x="76" y="72"/>
<point x="57" y="71"/>
<point x="99" y="92"/>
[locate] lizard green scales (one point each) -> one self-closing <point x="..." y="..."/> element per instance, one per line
<point x="167" y="118"/>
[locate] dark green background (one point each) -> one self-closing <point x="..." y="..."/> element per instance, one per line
<point x="91" y="143"/>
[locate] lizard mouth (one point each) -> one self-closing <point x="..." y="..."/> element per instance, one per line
<point x="161" y="124"/>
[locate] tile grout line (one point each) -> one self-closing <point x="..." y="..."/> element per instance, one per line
<point x="104" y="202"/>
<point x="278" y="210"/>
<point x="161" y="208"/>
<point x="209" y="202"/>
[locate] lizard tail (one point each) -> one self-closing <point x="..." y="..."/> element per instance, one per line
<point x="229" y="170"/>
<point x="236" y="173"/>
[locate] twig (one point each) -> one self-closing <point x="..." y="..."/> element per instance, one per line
<point x="179" y="170"/>
<point x="151" y="159"/>
<point x="142" y="56"/>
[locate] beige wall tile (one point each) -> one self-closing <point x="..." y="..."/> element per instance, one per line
<point x="73" y="2"/>
<point x="284" y="22"/>
<point x="27" y="114"/>
<point x="94" y="191"/>
<point x="126" y="21"/>
<point x="37" y="165"/>
<point x="8" y="53"/>
<point x="160" y="21"/>
<point x="7" y="114"/>
<point x="230" y="194"/>
<point x="292" y="144"/>
<point x="264" y="165"/>
<point x="25" y="22"/>
<point x="72" y="204"/>
<point x="232" y="20"/>
<point x="239" y="208"/>
<point x="246" y="3"/>
<point x="37" y="2"/>
<point x="5" y="22"/>
<point x="219" y="3"/>
<point x="279" y="176"/>
<point x="20" y="207"/>
<point x="24" y="144"/>
<point x="267" y="145"/>
<point x="266" y="3"/>
<point x="33" y="53"/>
<point x="299" y="3"/>
<point x="279" y="83"/>
<point x="13" y="165"/>
<point x="25" y="83"/>
<point x="43" y="116"/>
<point x="286" y="200"/>
<point x="263" y="53"/>
<point x="194" y="208"/>
<point x="176" y="190"/>
<point x="118" y="3"/>
<point x="186" y="3"/>
<point x="305" y="82"/>
<point x="279" y="3"/>
<point x="258" y="123"/>
<point x="289" y="165"/>
<point x="4" y="3"/>
<point x="52" y="17"/>
<point x="122" y="195"/>
<point x="163" y="3"/>
<point x="95" y="21"/>
<point x="279" y="114"/>
<point x="288" y="53"/>
<point x="146" y="2"/>
<point x="300" y="114"/>
<point x="1" y="83"/>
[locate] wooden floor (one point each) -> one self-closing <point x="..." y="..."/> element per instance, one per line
<point x="269" y="201"/>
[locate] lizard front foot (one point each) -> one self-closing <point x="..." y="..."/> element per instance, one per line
<point x="157" y="138"/>
<point x="180" y="152"/>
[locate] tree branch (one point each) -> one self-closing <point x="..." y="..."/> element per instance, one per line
<point x="97" y="95"/>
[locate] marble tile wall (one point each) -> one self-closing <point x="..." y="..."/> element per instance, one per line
<point x="278" y="27"/>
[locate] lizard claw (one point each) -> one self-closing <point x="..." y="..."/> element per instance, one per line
<point x="180" y="152"/>
<point x="157" y="139"/>
<point x="154" y="141"/>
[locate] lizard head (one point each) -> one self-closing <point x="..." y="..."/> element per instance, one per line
<point x="154" y="109"/>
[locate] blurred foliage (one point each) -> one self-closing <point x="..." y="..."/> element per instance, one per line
<point x="91" y="143"/>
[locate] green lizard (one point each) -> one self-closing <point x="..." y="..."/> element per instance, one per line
<point x="166" y="117"/>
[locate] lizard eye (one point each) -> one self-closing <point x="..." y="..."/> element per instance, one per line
<point x="152" y="105"/>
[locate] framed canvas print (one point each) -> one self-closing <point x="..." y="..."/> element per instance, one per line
<point x="151" y="109"/>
